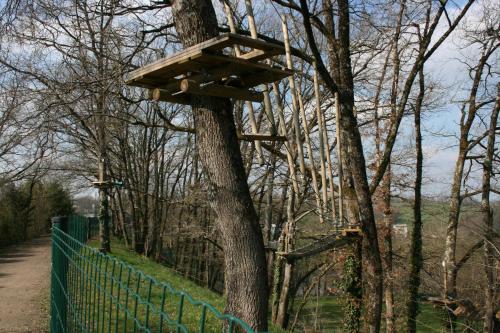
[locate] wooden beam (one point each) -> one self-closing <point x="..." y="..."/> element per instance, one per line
<point x="193" y="87"/>
<point x="253" y="43"/>
<point x="350" y="232"/>
<point x="214" y="74"/>
<point x="247" y="66"/>
<point x="255" y="55"/>
<point x="261" y="137"/>
<point x="166" y="96"/>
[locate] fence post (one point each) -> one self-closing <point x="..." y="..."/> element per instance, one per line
<point x="59" y="304"/>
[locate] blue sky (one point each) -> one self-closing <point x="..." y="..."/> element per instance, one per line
<point x="447" y="66"/>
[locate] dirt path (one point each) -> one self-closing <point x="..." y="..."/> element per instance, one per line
<point x="24" y="287"/>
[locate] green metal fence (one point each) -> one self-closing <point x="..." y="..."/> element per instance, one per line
<point x="95" y="292"/>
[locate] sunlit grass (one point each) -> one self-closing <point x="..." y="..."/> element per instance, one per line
<point x="108" y="305"/>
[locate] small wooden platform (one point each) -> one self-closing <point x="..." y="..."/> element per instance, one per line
<point x="351" y="232"/>
<point x="207" y="69"/>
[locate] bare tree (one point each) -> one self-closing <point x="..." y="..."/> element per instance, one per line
<point x="469" y="111"/>
<point x="219" y="152"/>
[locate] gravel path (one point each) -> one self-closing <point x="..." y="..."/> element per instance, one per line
<point x="24" y="287"/>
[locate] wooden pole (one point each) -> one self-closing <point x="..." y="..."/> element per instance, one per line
<point x="295" y="112"/>
<point x="322" y="133"/>
<point x="314" y="178"/>
<point x="288" y="146"/>
<point x="265" y="89"/>
<point x="339" y="158"/>
<point x="249" y="105"/>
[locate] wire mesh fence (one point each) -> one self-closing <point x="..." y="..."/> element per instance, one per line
<point x="95" y="292"/>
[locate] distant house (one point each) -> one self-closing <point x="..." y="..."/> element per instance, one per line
<point x="400" y="229"/>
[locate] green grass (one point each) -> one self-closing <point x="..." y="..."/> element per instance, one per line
<point x="134" y="294"/>
<point x="101" y="311"/>
<point x="329" y="311"/>
<point x="164" y="274"/>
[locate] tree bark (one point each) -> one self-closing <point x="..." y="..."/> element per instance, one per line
<point x="371" y="255"/>
<point x="219" y="153"/>
<point x="341" y="82"/>
<point x="487" y="214"/>
<point x="416" y="259"/>
<point x="285" y="283"/>
<point x="386" y="231"/>
<point x="466" y="121"/>
<point x="352" y="287"/>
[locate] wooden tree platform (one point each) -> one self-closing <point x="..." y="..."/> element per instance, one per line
<point x="208" y="69"/>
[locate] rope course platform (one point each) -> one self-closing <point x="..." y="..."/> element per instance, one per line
<point x="204" y="69"/>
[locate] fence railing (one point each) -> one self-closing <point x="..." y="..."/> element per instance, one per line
<point x="95" y="292"/>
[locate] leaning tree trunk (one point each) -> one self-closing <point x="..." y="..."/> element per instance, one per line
<point x="285" y="278"/>
<point x="466" y="121"/>
<point x="386" y="237"/>
<point x="489" y="261"/>
<point x="219" y="153"/>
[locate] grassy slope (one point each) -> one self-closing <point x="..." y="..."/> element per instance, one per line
<point x="330" y="313"/>
<point x="164" y="274"/>
<point x="330" y="316"/>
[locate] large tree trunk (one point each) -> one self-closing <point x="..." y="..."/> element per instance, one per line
<point x="489" y="261"/>
<point x="386" y="236"/>
<point x="350" y="134"/>
<point x="219" y="153"/>
<point x="285" y="281"/>
<point x="416" y="259"/>
<point x="340" y="81"/>
<point x="452" y="227"/>
<point x="352" y="287"/>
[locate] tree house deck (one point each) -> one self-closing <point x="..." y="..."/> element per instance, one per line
<point x="204" y="69"/>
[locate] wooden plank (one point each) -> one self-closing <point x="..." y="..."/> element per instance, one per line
<point x="176" y="57"/>
<point x="159" y="64"/>
<point x="243" y="62"/>
<point x="215" y="44"/>
<point x="224" y="66"/>
<point x="193" y="87"/>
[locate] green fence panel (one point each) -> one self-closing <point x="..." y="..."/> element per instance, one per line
<point x="95" y="292"/>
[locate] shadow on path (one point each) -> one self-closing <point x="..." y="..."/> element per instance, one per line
<point x="24" y="286"/>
